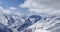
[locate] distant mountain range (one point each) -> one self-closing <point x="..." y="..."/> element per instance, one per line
<point x="29" y="23"/>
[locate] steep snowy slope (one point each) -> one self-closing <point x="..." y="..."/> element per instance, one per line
<point x="32" y="23"/>
<point x="51" y="24"/>
<point x="10" y="20"/>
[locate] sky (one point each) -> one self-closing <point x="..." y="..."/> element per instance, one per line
<point x="10" y="3"/>
<point x="31" y="6"/>
<point x="42" y="6"/>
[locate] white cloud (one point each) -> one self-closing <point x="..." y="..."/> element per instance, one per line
<point x="10" y="10"/>
<point x="2" y="10"/>
<point x="13" y="8"/>
<point x="42" y="6"/>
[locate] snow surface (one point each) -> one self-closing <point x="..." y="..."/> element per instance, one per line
<point x="32" y="23"/>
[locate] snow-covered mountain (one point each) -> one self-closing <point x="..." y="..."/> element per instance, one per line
<point x="48" y="24"/>
<point x="10" y="22"/>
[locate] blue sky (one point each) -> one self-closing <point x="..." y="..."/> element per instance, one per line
<point x="10" y="3"/>
<point x="37" y="6"/>
<point x="6" y="4"/>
